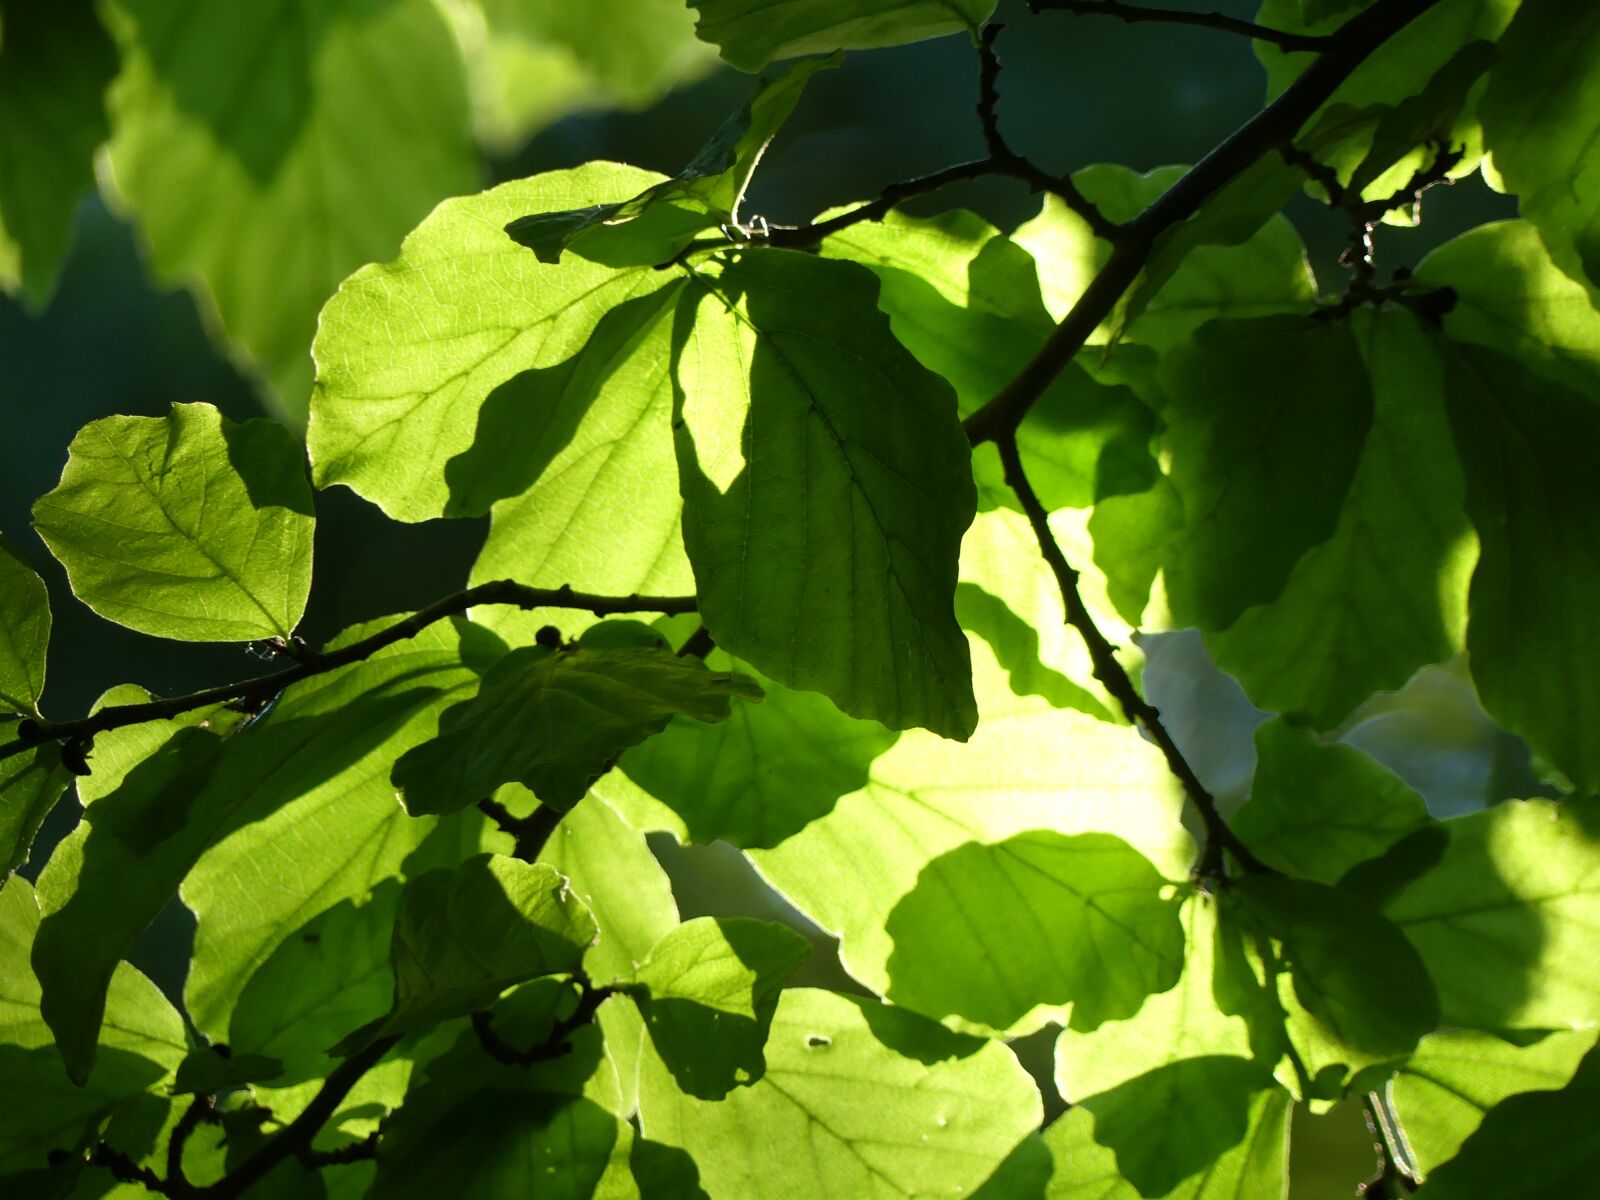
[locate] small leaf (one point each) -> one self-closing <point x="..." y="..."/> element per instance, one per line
<point x="24" y="633"/>
<point x="555" y="720"/>
<point x="30" y="785"/>
<point x="707" y="992"/>
<point x="789" y="377"/>
<point x="207" y="1072"/>
<point x="1108" y="935"/>
<point x="752" y="33"/>
<point x="462" y="937"/>
<point x="186" y="526"/>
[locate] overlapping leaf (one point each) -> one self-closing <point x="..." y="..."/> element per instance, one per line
<point x="789" y="377"/>
<point x="24" y="633"/>
<point x="186" y="526"/>
<point x="752" y="33"/>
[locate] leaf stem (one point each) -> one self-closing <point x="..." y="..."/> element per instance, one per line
<point x="254" y="693"/>
<point x="1132" y="14"/>
<point x="1274" y="126"/>
<point x="1110" y="672"/>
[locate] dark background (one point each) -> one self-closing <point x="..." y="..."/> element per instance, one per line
<point x="1074" y="91"/>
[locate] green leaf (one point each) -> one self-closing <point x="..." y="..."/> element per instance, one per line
<point x="1455" y="1077"/>
<point x="752" y="33"/>
<point x="281" y="145"/>
<point x="206" y="1071"/>
<point x="462" y="937"/>
<point x="1257" y="1166"/>
<point x="141" y="1044"/>
<point x="1317" y="810"/>
<point x="1334" y="947"/>
<point x="610" y="868"/>
<point x="1531" y="450"/>
<point x="707" y="992"/>
<point x="1265" y="429"/>
<point x="325" y="825"/>
<point x="705" y="193"/>
<point x="1429" y="116"/>
<point x="30" y="785"/>
<point x="554" y="720"/>
<point x="55" y="63"/>
<point x="24" y="633"/>
<point x="1172" y="1086"/>
<point x="1029" y="767"/>
<point x="1107" y="928"/>
<point x="1504" y="916"/>
<point x="1540" y="123"/>
<point x="789" y="377"/>
<point x="858" y="1100"/>
<point x="187" y="526"/>
<point x="763" y="774"/>
<point x="410" y="353"/>
<point x="1511" y="297"/>
<point x="1528" y="1147"/>
<point x="1386" y="593"/>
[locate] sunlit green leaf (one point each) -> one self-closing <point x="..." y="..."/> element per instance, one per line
<point x="462" y="937"/>
<point x="1504" y="913"/>
<point x="751" y="33"/>
<point x="858" y="1100"/>
<point x="1265" y="429"/>
<point x="24" y="633"/>
<point x="286" y="145"/>
<point x="1386" y="593"/>
<point x="55" y="63"/>
<point x="789" y="377"/>
<point x="707" y="992"/>
<point x="553" y="720"/>
<point x="187" y="526"/>
<point x="1455" y="1077"/>
<point x="411" y="354"/>
<point x="1106" y="931"/>
<point x="1317" y="810"/>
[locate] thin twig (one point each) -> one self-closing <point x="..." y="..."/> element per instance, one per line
<point x="256" y="692"/>
<point x="1272" y="127"/>
<point x="1395" y="1178"/>
<point x="1109" y="671"/>
<point x="200" y="1109"/>
<point x="1132" y="14"/>
<point x="531" y="832"/>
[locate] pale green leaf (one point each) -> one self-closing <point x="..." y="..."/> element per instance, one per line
<point x="1455" y="1077"/>
<point x="288" y="144"/>
<point x="1317" y="810"/>
<point x="327" y="828"/>
<point x="187" y="526"/>
<point x="24" y="633"/>
<point x="1536" y="1145"/>
<point x="707" y="992"/>
<point x="410" y="352"/>
<point x="1541" y="115"/>
<point x="752" y="33"/>
<point x="1265" y="429"/>
<point x="1041" y="918"/>
<point x="553" y="720"/>
<point x="763" y="774"/>
<point x="462" y="937"/>
<point x="1531" y="452"/>
<point x="1505" y="916"/>
<point x="55" y="63"/>
<point x="789" y="376"/>
<point x="1386" y="593"/>
<point x="858" y="1100"/>
<point x="1256" y="1168"/>
<point x="1332" y="943"/>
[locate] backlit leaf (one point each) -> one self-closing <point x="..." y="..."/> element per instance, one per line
<point x="752" y="33"/>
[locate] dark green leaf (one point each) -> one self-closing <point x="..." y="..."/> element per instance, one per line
<point x="462" y="937"/>
<point x="24" y="633"/>
<point x="186" y="526"/>
<point x="707" y="992"/>
<point x="204" y="1070"/>
<point x="1106" y="931"/>
<point x="30" y="785"/>
<point x="752" y="33"/>
<point x="554" y="720"/>
<point x="787" y="372"/>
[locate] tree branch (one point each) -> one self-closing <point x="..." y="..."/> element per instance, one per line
<point x="1109" y="671"/>
<point x="1272" y="127"/>
<point x="531" y="831"/>
<point x="1133" y="14"/>
<point x="255" y="693"/>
